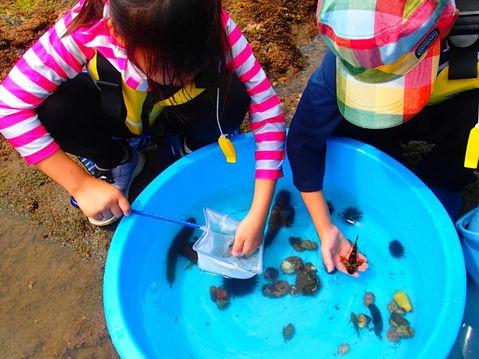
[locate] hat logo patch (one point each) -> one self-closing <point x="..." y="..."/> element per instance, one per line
<point x="426" y="44"/>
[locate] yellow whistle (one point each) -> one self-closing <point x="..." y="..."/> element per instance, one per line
<point x="227" y="148"/>
<point x="472" y="150"/>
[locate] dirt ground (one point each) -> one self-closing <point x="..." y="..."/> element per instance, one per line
<point x="281" y="33"/>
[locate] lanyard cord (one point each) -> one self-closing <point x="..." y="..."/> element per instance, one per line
<point x="224" y="142"/>
<point x="218" y="103"/>
<point x="218" y="110"/>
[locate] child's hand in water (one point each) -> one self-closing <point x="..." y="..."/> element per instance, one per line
<point x="335" y="248"/>
<point x="248" y="237"/>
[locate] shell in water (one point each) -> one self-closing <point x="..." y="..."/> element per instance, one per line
<point x="288" y="332"/>
<point x="369" y="298"/>
<point x="363" y="320"/>
<point x="402" y="299"/>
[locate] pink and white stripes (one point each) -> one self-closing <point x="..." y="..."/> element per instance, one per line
<point x="266" y="117"/>
<point x="55" y="58"/>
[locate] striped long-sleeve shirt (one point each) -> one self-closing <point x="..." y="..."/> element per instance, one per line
<point x="55" y="58"/>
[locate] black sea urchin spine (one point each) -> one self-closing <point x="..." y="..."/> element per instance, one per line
<point x="396" y="249"/>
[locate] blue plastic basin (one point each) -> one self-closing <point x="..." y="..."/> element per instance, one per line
<point x="470" y="242"/>
<point x="147" y="318"/>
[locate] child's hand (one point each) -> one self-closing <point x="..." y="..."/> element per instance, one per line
<point x="101" y="200"/>
<point x="248" y="237"/>
<point x="334" y="246"/>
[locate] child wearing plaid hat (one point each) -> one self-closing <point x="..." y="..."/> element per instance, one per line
<point x="388" y="78"/>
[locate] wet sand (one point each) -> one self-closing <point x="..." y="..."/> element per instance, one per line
<point x="50" y="299"/>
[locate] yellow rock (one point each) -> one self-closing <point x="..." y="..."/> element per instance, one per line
<point x="402" y="300"/>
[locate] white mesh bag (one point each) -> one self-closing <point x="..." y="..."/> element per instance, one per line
<point x="214" y="247"/>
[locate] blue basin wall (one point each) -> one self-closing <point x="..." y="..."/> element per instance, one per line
<point x="353" y="166"/>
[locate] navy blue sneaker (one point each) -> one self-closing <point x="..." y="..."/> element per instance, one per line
<point x="121" y="177"/>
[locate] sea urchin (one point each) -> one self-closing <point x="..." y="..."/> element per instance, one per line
<point x="351" y="215"/>
<point x="396" y="249"/>
<point x="240" y="287"/>
<point x="330" y="207"/>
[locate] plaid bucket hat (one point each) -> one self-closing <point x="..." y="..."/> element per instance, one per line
<point x="387" y="55"/>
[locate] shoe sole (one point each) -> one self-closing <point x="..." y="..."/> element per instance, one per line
<point x="136" y="172"/>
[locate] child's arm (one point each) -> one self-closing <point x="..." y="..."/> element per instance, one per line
<point x="333" y="243"/>
<point x="249" y="233"/>
<point x="97" y="199"/>
<point x="50" y="61"/>
<point x="268" y="127"/>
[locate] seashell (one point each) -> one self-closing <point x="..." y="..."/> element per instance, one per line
<point x="309" y="245"/>
<point x="393" y="307"/>
<point x="288" y="332"/>
<point x="392" y="335"/>
<point x="363" y="320"/>
<point x="307" y="282"/>
<point x="368" y="298"/>
<point x="397" y="320"/>
<point x="402" y="300"/>
<point x="277" y="289"/>
<point x="308" y="267"/>
<point x="287" y="267"/>
<point x="271" y="273"/>
<point x="343" y="349"/>
<point x="301" y="245"/>
<point x="291" y="264"/>
<point x="405" y="331"/>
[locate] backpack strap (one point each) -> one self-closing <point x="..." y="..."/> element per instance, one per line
<point x="464" y="41"/>
<point x="109" y="83"/>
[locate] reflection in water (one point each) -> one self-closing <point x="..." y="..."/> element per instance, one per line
<point x="50" y="300"/>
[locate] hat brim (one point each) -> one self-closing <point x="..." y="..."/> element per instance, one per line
<point x="387" y="104"/>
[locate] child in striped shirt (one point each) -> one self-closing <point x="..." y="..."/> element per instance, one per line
<point x="108" y="71"/>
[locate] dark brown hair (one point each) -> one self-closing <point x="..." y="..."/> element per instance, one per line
<point x="178" y="36"/>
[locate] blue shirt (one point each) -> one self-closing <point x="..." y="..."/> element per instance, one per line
<point x="316" y="117"/>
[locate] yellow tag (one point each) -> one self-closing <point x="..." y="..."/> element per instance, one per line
<point x="228" y="149"/>
<point x="472" y="150"/>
